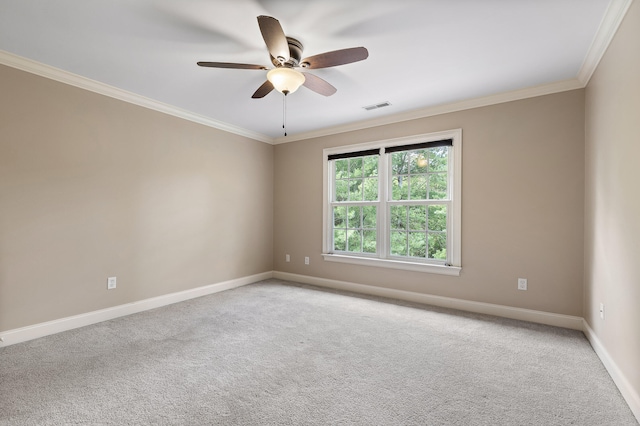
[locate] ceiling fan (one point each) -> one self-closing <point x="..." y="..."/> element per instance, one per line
<point x="286" y="54"/>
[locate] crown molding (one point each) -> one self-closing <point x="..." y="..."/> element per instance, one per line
<point x="612" y="19"/>
<point x="66" y="77"/>
<point x="616" y="10"/>
<point x="514" y="95"/>
<point x="606" y="31"/>
<point x="47" y="71"/>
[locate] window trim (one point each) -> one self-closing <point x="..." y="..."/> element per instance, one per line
<point x="455" y="267"/>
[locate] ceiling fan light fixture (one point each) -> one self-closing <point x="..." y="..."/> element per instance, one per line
<point x="285" y="80"/>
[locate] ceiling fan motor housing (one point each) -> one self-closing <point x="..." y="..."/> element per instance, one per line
<point x="295" y="54"/>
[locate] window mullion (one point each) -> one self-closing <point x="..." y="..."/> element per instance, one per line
<point x="329" y="214"/>
<point x="449" y="235"/>
<point x="383" y="210"/>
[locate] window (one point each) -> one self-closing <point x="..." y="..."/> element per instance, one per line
<point x="395" y="203"/>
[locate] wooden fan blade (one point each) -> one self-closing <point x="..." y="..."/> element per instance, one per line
<point x="263" y="90"/>
<point x="274" y="37"/>
<point x="318" y="85"/>
<point x="335" y="58"/>
<point x="232" y="65"/>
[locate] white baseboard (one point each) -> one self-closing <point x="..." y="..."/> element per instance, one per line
<point x="558" y="320"/>
<point x="628" y="392"/>
<point x="35" y="331"/>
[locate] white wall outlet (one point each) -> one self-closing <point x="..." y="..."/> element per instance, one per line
<point x="306" y="260"/>
<point x="522" y="283"/>
<point x="111" y="283"/>
<point x="287" y="258"/>
<point x="602" y="311"/>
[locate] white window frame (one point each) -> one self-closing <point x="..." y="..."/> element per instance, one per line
<point x="453" y="266"/>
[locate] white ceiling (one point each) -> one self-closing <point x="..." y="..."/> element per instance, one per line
<point x="422" y="53"/>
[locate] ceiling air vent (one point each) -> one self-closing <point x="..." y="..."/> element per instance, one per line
<point x="376" y="106"/>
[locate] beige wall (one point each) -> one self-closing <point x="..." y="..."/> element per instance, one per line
<point x="612" y="225"/>
<point x="92" y="187"/>
<point x="522" y="205"/>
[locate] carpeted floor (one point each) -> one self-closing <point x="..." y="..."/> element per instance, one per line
<point x="276" y="353"/>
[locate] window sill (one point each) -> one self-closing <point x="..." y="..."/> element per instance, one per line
<point x="394" y="264"/>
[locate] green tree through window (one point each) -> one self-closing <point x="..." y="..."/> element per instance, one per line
<point x="396" y="201"/>
<point x="354" y="215"/>
<point x="420" y="176"/>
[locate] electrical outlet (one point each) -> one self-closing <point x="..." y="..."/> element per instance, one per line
<point x="522" y="283"/>
<point x="306" y="260"/>
<point x="287" y="258"/>
<point x="602" y="311"/>
<point x="111" y="283"/>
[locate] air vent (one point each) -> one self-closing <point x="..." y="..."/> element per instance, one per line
<point x="376" y="106"/>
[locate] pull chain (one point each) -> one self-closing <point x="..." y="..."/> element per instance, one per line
<point x="284" y="113"/>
